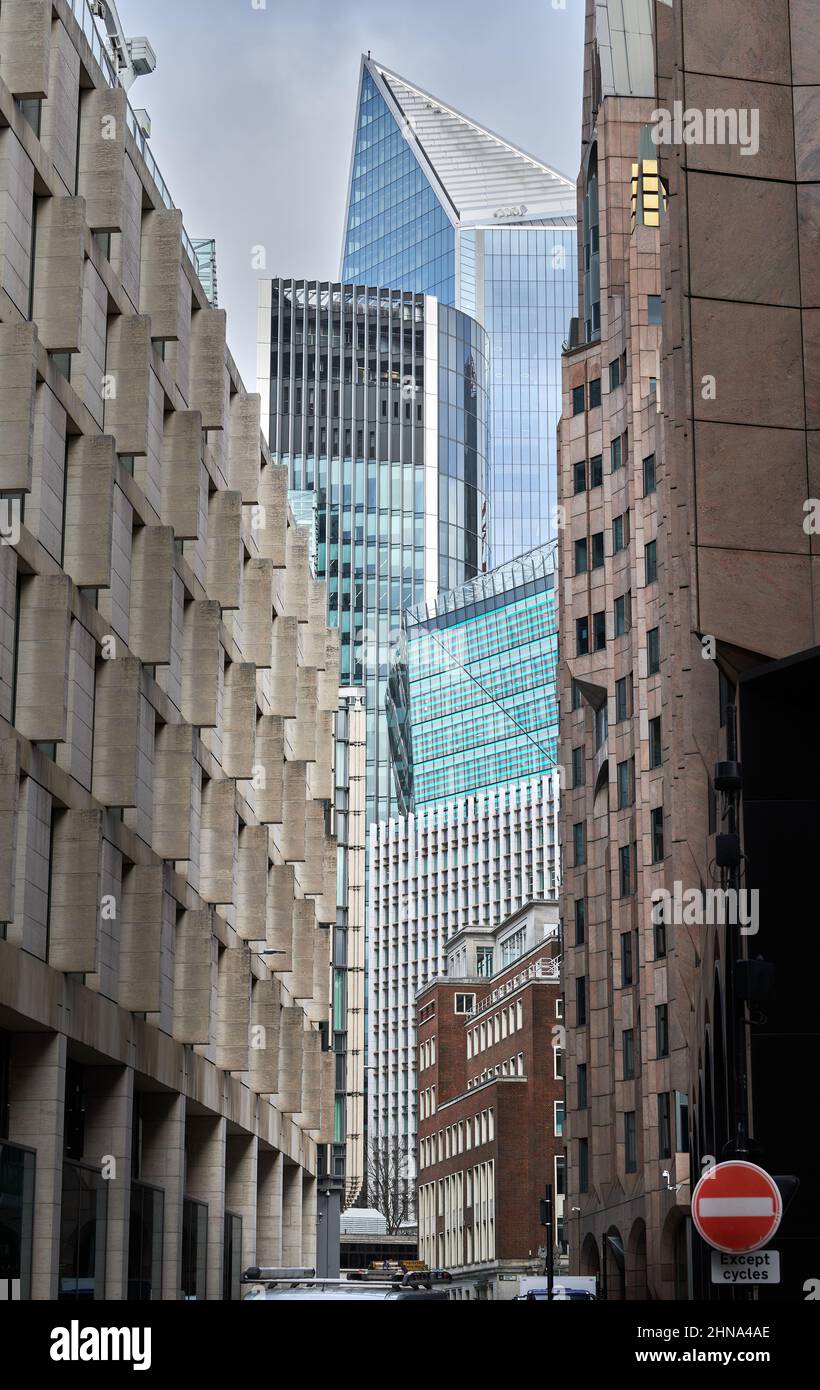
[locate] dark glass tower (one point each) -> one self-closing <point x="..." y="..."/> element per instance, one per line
<point x="377" y="402"/>
<point x="438" y="204"/>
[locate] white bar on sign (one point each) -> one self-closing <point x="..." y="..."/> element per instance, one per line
<point x="735" y="1206"/>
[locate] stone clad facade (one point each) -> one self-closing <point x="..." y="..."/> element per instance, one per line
<point x="168" y="688"/>
<point x="612" y="717"/>
<point x="688" y="447"/>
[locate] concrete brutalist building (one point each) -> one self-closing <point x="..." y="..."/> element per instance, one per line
<point x="168" y="689"/>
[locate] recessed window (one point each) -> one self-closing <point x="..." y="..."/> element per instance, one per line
<point x="651" y="561"/>
<point x="599" y="630"/>
<point x="627" y="964"/>
<point x="580" y="920"/>
<point x="583" y="1165"/>
<point x="579" y="477"/>
<point x="464" y="1003"/>
<point x="653" y="651"/>
<point x="615" y="374"/>
<point x="662" y="1030"/>
<point x="580" y="1000"/>
<point x="596" y="470"/>
<point x="575" y="695"/>
<point x="653" y="308"/>
<point x="597" y="550"/>
<point x="649" y="475"/>
<point x="595" y="392"/>
<point x="578" y="767"/>
<point x="623" y="699"/>
<point x="664" y="1125"/>
<point x="628" y="1046"/>
<point x="581" y="636"/>
<point x="558" y="1118"/>
<point x="581" y="556"/>
<point x="583" y="1100"/>
<point x="630" y="1142"/>
<point x="655" y="749"/>
<point x="625" y="782"/>
<point x="577" y="400"/>
<point x="625" y="871"/>
<point x="623" y="614"/>
<point x="616" y="454"/>
<point x="579" y="842"/>
<point x="657" y="834"/>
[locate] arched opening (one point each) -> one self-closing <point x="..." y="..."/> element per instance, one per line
<point x="636" y="1280"/>
<point x="614" y="1281"/>
<point x="590" y="1259"/>
<point x="676" y="1257"/>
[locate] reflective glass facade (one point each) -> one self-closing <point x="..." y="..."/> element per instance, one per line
<point x="471" y="702"/>
<point x="529" y="296"/>
<point x="378" y="404"/>
<point x="398" y="234"/>
<point x="519" y="280"/>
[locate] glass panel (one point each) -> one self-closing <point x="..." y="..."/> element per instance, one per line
<point x="145" y="1243"/>
<point x="16" y="1215"/>
<point x="82" y="1233"/>
<point x="194" y="1248"/>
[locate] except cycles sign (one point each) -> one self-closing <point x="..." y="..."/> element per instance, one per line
<point x="737" y="1207"/>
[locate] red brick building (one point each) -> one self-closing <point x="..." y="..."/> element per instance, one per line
<point x="491" y="1101"/>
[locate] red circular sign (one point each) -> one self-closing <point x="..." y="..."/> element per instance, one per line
<point x="736" y="1207"/>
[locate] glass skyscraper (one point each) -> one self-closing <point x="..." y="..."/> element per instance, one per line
<point x="440" y="205"/>
<point x="473" y="725"/>
<point x="376" y="400"/>
<point x="471" y="698"/>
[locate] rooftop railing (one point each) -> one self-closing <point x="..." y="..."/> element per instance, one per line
<point x="85" y="19"/>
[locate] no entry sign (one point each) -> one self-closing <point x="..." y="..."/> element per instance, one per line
<point x="736" y="1206"/>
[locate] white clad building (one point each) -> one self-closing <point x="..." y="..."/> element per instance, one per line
<point x="470" y="861"/>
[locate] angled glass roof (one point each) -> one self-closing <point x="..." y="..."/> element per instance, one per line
<point x="483" y="177"/>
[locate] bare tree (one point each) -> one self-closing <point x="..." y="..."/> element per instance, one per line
<point x="388" y="1187"/>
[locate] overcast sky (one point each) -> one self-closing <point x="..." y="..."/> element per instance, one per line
<point x="253" y="108"/>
